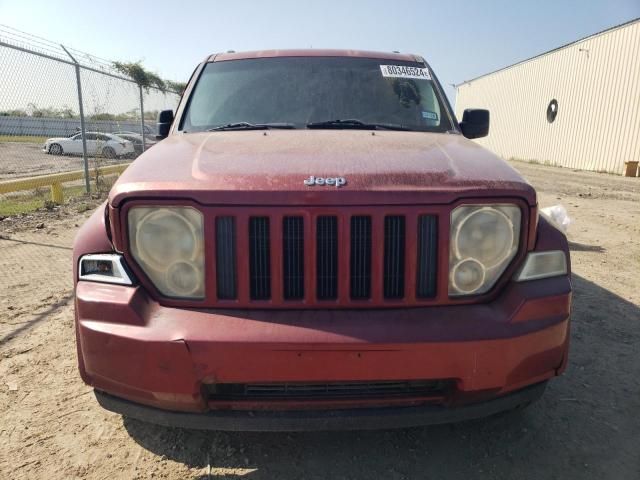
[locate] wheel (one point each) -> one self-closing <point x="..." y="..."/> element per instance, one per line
<point x="55" y="149"/>
<point x="108" y="152"/>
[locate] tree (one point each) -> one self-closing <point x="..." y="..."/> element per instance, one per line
<point x="136" y="72"/>
<point x="177" y="87"/>
<point x="102" y="116"/>
<point x="151" y="115"/>
<point x="18" y="112"/>
<point x="49" y="112"/>
<point x="146" y="79"/>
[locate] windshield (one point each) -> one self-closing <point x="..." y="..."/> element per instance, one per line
<point x="309" y="90"/>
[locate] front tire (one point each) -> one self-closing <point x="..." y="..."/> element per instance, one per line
<point x="108" y="152"/>
<point x="56" y="149"/>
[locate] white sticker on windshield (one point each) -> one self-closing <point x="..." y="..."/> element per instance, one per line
<point x="400" y="71"/>
<point x="429" y="115"/>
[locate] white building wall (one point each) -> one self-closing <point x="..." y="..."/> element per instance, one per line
<point x="596" y="82"/>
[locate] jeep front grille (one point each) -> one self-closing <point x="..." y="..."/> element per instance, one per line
<point x="316" y="258"/>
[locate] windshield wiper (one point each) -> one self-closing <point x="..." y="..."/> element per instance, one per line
<point x="355" y="123"/>
<point x="251" y="126"/>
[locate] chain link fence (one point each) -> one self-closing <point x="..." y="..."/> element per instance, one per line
<point x="67" y="120"/>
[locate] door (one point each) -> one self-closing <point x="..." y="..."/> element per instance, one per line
<point x="92" y="140"/>
<point x="73" y="145"/>
<point x="104" y="141"/>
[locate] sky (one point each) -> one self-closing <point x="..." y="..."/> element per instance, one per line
<point x="460" y="39"/>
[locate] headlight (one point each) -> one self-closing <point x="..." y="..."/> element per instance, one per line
<point x="484" y="239"/>
<point x="168" y="244"/>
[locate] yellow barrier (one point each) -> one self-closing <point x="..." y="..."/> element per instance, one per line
<point x="55" y="181"/>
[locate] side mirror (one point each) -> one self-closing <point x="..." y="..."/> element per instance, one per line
<point x="165" y="119"/>
<point x="475" y="123"/>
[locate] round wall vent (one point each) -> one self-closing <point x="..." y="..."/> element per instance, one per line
<point x="552" y="110"/>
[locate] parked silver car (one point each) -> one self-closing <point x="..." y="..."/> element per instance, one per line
<point x="105" y="144"/>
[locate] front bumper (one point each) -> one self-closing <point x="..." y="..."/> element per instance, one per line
<point x="132" y="348"/>
<point x="308" y="420"/>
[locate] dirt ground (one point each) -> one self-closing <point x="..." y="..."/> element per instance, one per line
<point x="586" y="426"/>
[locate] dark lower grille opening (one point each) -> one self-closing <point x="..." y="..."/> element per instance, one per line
<point x="259" y="258"/>
<point x="293" y="257"/>
<point x="226" y="258"/>
<point x="379" y="389"/>
<point x="427" y="256"/>
<point x="327" y="258"/>
<point x="394" y="246"/>
<point x="360" y="257"/>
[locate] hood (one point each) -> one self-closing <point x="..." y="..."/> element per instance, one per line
<point x="56" y="139"/>
<point x="270" y="166"/>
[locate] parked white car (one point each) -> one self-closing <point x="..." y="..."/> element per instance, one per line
<point x="105" y="144"/>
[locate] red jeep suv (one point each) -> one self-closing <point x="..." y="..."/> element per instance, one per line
<point x="317" y="245"/>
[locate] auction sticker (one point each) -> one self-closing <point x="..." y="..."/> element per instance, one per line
<point x="401" y="71"/>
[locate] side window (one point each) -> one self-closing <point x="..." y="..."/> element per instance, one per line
<point x="77" y="137"/>
<point x="104" y="138"/>
<point x="91" y="136"/>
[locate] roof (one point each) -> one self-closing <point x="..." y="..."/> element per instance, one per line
<point x="552" y="50"/>
<point x="404" y="57"/>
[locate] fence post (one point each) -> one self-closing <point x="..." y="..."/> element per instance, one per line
<point x="57" y="194"/>
<point x="144" y="141"/>
<point x="87" y="181"/>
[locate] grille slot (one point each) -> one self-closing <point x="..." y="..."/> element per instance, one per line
<point x="293" y="257"/>
<point x="394" y="250"/>
<point x="226" y="258"/>
<point x="259" y="258"/>
<point x="427" y="256"/>
<point x="327" y="258"/>
<point x="379" y="389"/>
<point x="360" y="275"/>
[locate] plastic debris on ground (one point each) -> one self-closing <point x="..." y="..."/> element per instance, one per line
<point x="558" y="214"/>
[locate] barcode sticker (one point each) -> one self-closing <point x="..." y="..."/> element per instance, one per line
<point x="401" y="71"/>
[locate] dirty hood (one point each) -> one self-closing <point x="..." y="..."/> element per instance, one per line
<point x="269" y="167"/>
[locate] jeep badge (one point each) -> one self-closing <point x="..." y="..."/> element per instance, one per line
<point x="337" y="181"/>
